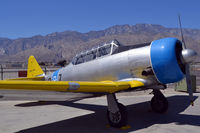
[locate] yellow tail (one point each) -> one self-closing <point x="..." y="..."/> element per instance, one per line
<point x="34" y="70"/>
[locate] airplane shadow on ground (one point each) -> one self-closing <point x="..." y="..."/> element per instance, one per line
<point x="140" y="116"/>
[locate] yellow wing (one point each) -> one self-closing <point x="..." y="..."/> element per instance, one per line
<point x="70" y="86"/>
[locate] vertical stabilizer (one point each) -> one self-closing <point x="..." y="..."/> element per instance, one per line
<point x="34" y="70"/>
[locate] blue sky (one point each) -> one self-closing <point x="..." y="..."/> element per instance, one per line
<point x="26" y="18"/>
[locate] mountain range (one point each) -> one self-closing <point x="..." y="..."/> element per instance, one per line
<point x="64" y="45"/>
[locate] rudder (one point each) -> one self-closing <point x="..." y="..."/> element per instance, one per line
<point x="34" y="69"/>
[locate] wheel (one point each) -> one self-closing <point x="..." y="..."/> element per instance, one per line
<point x="119" y="118"/>
<point x="159" y="104"/>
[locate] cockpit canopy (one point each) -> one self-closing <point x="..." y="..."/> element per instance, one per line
<point x="100" y="51"/>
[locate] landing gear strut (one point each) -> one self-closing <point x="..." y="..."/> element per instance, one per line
<point x="116" y="113"/>
<point x="159" y="103"/>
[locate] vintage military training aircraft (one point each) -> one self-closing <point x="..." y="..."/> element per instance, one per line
<point x="111" y="68"/>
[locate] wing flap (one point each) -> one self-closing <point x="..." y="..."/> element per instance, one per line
<point x="70" y="86"/>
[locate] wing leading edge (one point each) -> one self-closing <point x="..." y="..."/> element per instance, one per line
<point x="71" y="86"/>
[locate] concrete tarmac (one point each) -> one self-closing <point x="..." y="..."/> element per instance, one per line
<point x="89" y="115"/>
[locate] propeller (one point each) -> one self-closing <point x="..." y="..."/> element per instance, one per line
<point x="188" y="56"/>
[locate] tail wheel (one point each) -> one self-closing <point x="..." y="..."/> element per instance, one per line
<point x="159" y="104"/>
<point x="119" y="118"/>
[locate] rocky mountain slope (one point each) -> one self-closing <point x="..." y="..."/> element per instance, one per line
<point x="64" y="45"/>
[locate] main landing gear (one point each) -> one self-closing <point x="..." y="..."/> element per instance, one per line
<point x="116" y="113"/>
<point x="159" y="103"/>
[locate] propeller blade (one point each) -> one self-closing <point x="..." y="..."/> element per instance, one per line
<point x="189" y="86"/>
<point x="183" y="41"/>
<point x="187" y="68"/>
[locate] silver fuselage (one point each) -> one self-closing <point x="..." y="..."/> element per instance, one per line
<point x="121" y="66"/>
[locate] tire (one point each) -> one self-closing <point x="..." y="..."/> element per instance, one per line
<point x="159" y="104"/>
<point x="119" y="118"/>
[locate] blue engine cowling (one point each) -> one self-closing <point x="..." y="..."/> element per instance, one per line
<point x="165" y="60"/>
